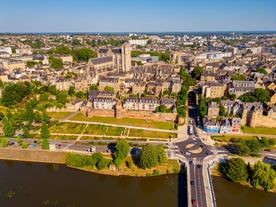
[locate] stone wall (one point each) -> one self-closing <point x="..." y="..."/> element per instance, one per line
<point x="170" y="117"/>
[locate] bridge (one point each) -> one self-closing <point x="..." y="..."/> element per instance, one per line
<point x="198" y="156"/>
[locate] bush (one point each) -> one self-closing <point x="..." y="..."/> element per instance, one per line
<point x="45" y="144"/>
<point x="24" y="145"/>
<point x="77" y="160"/>
<point x="129" y="162"/>
<point x="155" y="172"/>
<point x="4" y="142"/>
<point x="102" y="163"/>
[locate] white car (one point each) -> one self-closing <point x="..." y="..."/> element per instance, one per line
<point x="188" y="153"/>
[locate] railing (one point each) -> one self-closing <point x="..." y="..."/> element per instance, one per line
<point x="211" y="187"/>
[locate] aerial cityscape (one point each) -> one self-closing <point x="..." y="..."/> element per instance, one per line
<point x="117" y="103"/>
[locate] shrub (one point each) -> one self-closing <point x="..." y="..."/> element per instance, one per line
<point x="24" y="145"/>
<point x="45" y="144"/>
<point x="102" y="163"/>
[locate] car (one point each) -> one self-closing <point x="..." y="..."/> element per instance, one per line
<point x="192" y="182"/>
<point x="206" y="153"/>
<point x="187" y="153"/>
<point x="191" y="162"/>
<point x="91" y="149"/>
<point x="198" y="166"/>
<point x="194" y="202"/>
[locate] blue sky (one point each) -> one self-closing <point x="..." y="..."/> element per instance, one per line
<point x="136" y="16"/>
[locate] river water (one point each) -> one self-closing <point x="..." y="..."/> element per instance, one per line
<point x="25" y="184"/>
<point x="229" y="194"/>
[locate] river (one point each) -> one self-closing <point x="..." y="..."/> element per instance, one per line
<point x="229" y="194"/>
<point x="25" y="184"/>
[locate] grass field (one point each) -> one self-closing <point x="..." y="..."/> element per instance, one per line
<point x="63" y="137"/>
<point x="114" y="131"/>
<point x="58" y="115"/>
<point x="125" y="121"/>
<point x="151" y="134"/>
<point x="225" y="138"/>
<point x="259" y="130"/>
<point x="95" y="129"/>
<point x="67" y="128"/>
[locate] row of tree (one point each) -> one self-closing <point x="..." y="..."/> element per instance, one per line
<point x="260" y="174"/>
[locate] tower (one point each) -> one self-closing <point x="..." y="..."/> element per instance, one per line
<point x="126" y="57"/>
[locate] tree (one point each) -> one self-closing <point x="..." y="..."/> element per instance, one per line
<point x="253" y="145"/>
<point x="263" y="175"/>
<point x="83" y="54"/>
<point x="71" y="91"/>
<point x="121" y="151"/>
<point x="222" y="111"/>
<point x="55" y="63"/>
<point x="79" y="94"/>
<point x="148" y="157"/>
<point x="24" y="145"/>
<point x="261" y="70"/>
<point x="8" y="128"/>
<point x="44" y="132"/>
<point x="45" y="144"/>
<point x="4" y="142"/>
<point x="63" y="50"/>
<point x="61" y="97"/>
<point x="26" y="133"/>
<point x="236" y="170"/>
<point x="197" y="72"/>
<point x="102" y="163"/>
<point x="261" y="94"/>
<point x="242" y="149"/>
<point x="232" y="97"/>
<point x="203" y="107"/>
<point x="161" y="154"/>
<point x="94" y="87"/>
<point x="109" y="89"/>
<point x="240" y="77"/>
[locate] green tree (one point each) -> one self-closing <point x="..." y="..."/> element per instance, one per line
<point x="203" y="107"/>
<point x="24" y="145"/>
<point x="55" y="63"/>
<point x="148" y="157"/>
<point x="4" y="142"/>
<point x="161" y="154"/>
<point x="121" y="151"/>
<point x="45" y="144"/>
<point x="232" y="97"/>
<point x="26" y="133"/>
<point x="261" y="94"/>
<point x="80" y="95"/>
<point x="197" y="72"/>
<point x="8" y="128"/>
<point x="240" y="77"/>
<point x="71" y="91"/>
<point x="62" y="97"/>
<point x="83" y="54"/>
<point x="236" y="170"/>
<point x="31" y="64"/>
<point x="109" y="89"/>
<point x="44" y="132"/>
<point x="242" y="149"/>
<point x="261" y="70"/>
<point x="263" y="175"/>
<point x="222" y="111"/>
<point x="63" y="50"/>
<point x="253" y="145"/>
<point x="94" y="87"/>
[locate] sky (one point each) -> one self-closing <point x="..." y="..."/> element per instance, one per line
<point x="137" y="15"/>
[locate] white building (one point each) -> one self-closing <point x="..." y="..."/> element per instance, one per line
<point x="138" y="42"/>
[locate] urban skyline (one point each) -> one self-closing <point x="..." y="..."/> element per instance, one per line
<point x="124" y="16"/>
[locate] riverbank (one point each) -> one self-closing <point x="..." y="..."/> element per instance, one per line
<point x="58" y="157"/>
<point x="214" y="172"/>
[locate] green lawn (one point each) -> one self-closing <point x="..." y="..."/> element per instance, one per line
<point x="259" y="130"/>
<point x="58" y="115"/>
<point x="63" y="137"/>
<point x="68" y="128"/>
<point x="114" y="131"/>
<point x="95" y="129"/>
<point x="150" y="134"/>
<point x="125" y="121"/>
<point x="225" y="138"/>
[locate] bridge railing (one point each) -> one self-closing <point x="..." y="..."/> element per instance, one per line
<point x="211" y="187"/>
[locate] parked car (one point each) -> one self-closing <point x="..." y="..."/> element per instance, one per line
<point x="192" y="182"/>
<point x="91" y="149"/>
<point x="194" y="202"/>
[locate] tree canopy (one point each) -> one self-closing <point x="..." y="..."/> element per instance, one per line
<point x="151" y="155"/>
<point x="83" y="54"/>
<point x="121" y="151"/>
<point x="259" y="94"/>
<point x="55" y="63"/>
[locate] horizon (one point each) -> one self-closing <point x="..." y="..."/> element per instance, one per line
<point x="112" y="16"/>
